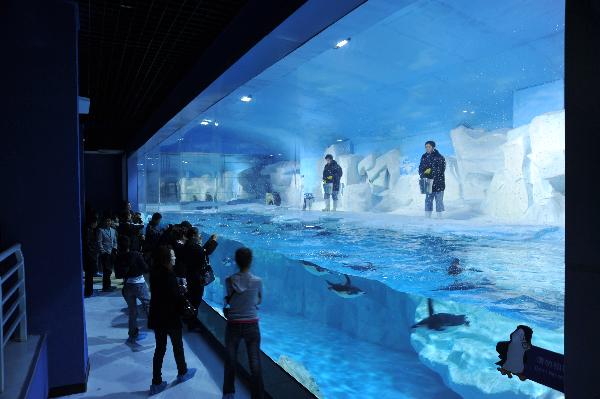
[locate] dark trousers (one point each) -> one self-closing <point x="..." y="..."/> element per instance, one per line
<point x="105" y="261"/>
<point x="88" y="286"/>
<point x="195" y="291"/>
<point x="161" y="348"/>
<point x="250" y="333"/>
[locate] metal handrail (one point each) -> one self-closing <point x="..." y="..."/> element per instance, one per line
<point x="19" y="323"/>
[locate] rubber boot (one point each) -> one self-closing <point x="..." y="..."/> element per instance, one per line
<point x="335" y="205"/>
<point x="327" y="205"/>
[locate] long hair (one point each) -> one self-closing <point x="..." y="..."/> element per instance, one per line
<point x="162" y="257"/>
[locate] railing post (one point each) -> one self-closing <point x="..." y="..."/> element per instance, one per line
<point x="22" y="334"/>
<point x="1" y="340"/>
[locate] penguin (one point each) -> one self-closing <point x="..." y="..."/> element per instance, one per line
<point x="313" y="268"/>
<point x="346" y="290"/>
<point x="439" y="321"/>
<point x="513" y="354"/>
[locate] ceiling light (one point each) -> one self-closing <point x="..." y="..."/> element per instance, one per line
<point x="472" y="112"/>
<point x="339" y="140"/>
<point x="465" y="111"/>
<point x="216" y="123"/>
<point x="204" y="122"/>
<point x="342" y="43"/>
<point x="246" y="99"/>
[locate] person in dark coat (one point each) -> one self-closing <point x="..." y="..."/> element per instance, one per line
<point x="153" y="234"/>
<point x="332" y="173"/>
<point x="433" y="166"/>
<point x="196" y="263"/>
<point x="164" y="317"/>
<point x="90" y="255"/>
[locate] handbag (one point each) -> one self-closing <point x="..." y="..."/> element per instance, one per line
<point x="208" y="275"/>
<point x="187" y="310"/>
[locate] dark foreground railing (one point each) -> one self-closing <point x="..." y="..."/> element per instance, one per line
<point x="278" y="383"/>
<point x="13" y="312"/>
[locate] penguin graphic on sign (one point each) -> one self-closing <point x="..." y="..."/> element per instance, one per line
<point x="513" y="353"/>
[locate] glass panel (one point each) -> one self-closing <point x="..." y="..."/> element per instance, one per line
<point x="435" y="253"/>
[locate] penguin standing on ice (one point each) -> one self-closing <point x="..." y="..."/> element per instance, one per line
<point x="513" y="354"/>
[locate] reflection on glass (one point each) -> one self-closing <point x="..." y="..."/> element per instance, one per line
<point x="343" y="290"/>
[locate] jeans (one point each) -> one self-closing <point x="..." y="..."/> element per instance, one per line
<point x="105" y="261"/>
<point x="161" y="348"/>
<point x="131" y="293"/>
<point x="250" y="333"/>
<point x="439" y="201"/>
<point x="330" y="192"/>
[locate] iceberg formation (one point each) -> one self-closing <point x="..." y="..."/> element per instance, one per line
<point x="531" y="184"/>
<point x="478" y="157"/>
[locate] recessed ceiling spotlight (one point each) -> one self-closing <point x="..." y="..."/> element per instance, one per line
<point x="340" y="140"/>
<point x="204" y="122"/>
<point x="342" y="43"/>
<point x="216" y="123"/>
<point x="465" y="111"/>
<point x="246" y="99"/>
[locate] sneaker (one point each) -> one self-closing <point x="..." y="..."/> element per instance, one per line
<point x="157" y="388"/>
<point x="188" y="375"/>
<point x="140" y="336"/>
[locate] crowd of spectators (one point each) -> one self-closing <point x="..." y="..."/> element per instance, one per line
<point x="175" y="262"/>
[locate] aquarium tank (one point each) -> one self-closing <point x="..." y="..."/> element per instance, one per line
<point x="352" y="286"/>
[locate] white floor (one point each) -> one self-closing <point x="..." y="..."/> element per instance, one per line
<point x="118" y="370"/>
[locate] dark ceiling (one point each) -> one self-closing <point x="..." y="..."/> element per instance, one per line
<point x="133" y="53"/>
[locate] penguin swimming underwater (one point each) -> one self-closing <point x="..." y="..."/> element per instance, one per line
<point x="315" y="269"/>
<point x="439" y="321"/>
<point x="346" y="290"/>
<point x="367" y="266"/>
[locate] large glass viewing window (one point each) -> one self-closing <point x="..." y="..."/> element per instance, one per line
<point x="345" y="291"/>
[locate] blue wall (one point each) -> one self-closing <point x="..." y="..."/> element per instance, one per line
<point x="40" y="205"/>
<point x="103" y="182"/>
<point x="533" y="101"/>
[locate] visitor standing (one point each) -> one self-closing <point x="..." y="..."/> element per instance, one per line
<point x="332" y="173"/>
<point x="90" y="255"/>
<point x="106" y="239"/>
<point x="164" y="317"/>
<point x="244" y="294"/>
<point x="433" y="166"/>
<point x="130" y="266"/>
<point x="197" y="265"/>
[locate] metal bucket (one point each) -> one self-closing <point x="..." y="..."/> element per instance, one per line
<point x="426" y="185"/>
